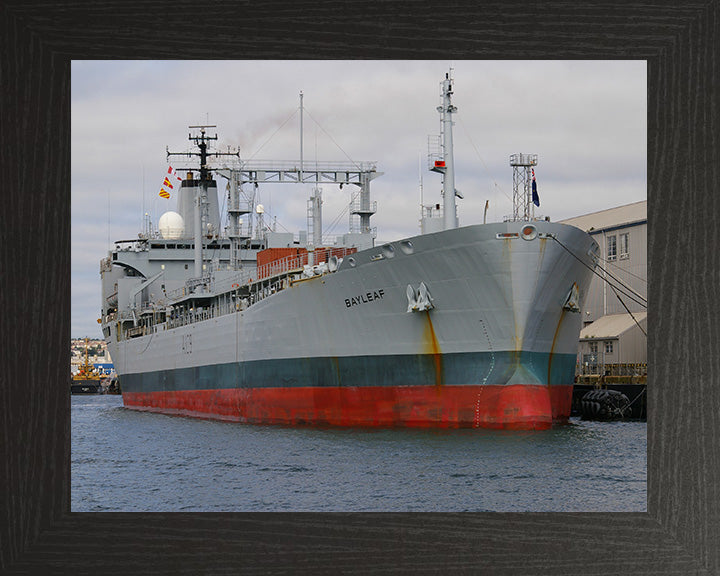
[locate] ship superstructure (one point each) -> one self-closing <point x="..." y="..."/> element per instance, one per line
<point x="459" y="326"/>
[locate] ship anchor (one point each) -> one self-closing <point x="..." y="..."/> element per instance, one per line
<point x="419" y="300"/>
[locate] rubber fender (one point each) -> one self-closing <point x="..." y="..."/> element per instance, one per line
<point x="604" y="405"/>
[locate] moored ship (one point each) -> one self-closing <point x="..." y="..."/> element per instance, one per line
<point x="472" y="326"/>
<point x="87" y="380"/>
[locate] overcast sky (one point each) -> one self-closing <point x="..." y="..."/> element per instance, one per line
<point x="586" y="121"/>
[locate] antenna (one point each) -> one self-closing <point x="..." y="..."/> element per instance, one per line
<point x="301" y="136"/>
<point x="200" y="201"/>
<point x="422" y="207"/>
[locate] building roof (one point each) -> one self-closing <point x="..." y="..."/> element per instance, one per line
<point x="610" y="218"/>
<point x="612" y="325"/>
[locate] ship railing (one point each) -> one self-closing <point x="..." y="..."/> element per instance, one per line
<point x="139" y="244"/>
<point x="432" y="211"/>
<point x="136" y="331"/>
<point x="240" y="206"/>
<point x="523" y="218"/>
<point x="282" y="265"/>
<point x="193" y="283"/>
<point x="152" y="307"/>
<point x="618" y="369"/>
<point x="298" y="262"/>
<point x="176" y="294"/>
<point x="266" y="280"/>
<point x="436" y="153"/>
<point x="362" y="206"/>
<point x="124" y="315"/>
<point x="229" y="284"/>
<point x="243" y="229"/>
<point x="188" y="289"/>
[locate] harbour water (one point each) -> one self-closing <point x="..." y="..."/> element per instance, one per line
<point x="124" y="460"/>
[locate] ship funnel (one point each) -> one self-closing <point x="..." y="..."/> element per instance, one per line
<point x="186" y="205"/>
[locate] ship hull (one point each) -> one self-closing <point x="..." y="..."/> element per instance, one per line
<point x="513" y="407"/>
<point x="496" y="348"/>
<point x="85" y="387"/>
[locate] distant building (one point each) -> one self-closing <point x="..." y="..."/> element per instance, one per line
<point x="615" y="320"/>
<point x="98" y="354"/>
<point x="616" y="339"/>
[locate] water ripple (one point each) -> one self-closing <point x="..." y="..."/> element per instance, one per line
<point x="124" y="460"/>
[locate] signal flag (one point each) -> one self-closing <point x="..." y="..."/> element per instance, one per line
<point x="535" y="197"/>
<point x="171" y="171"/>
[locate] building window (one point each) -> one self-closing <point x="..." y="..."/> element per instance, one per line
<point x="593" y="347"/>
<point x="608" y="347"/>
<point x="611" y="247"/>
<point x="625" y="245"/>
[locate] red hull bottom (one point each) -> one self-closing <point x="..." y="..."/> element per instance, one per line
<point x="513" y="407"/>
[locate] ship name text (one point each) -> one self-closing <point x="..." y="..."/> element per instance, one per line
<point x="364" y="298"/>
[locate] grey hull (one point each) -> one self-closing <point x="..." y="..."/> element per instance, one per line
<point x="498" y="317"/>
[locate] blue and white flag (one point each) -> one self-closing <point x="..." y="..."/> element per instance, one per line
<point x="535" y="197"/>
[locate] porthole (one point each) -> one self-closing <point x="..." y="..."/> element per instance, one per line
<point x="388" y="251"/>
<point x="407" y="247"/>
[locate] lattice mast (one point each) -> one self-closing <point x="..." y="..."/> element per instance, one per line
<point x="523" y="206"/>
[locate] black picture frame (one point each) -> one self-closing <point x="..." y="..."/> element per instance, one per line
<point x="680" y="533"/>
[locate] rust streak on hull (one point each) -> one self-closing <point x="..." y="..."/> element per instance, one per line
<point x="432" y="347"/>
<point x="552" y="348"/>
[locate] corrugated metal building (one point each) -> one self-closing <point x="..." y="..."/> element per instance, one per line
<point x="610" y="334"/>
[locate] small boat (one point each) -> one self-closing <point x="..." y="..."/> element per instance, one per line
<point x="88" y="379"/>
